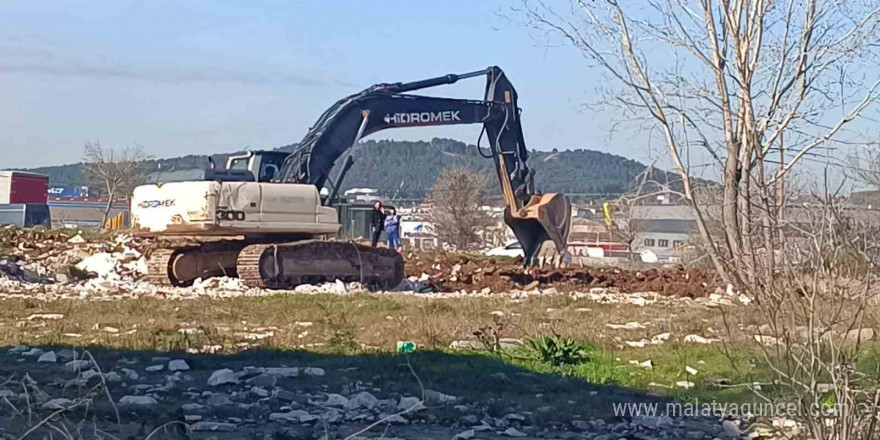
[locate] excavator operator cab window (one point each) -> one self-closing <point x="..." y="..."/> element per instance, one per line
<point x="238" y="163"/>
<point x="268" y="172"/>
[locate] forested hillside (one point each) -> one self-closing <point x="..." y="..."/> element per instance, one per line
<point x="408" y="169"/>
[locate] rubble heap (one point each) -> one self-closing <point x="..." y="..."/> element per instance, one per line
<point x="447" y="272"/>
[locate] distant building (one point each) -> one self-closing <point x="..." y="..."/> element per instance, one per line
<point x="660" y="232"/>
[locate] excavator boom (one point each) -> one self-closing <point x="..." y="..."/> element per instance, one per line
<point x="536" y="219"/>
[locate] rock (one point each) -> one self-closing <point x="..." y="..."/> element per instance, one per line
<point x="293" y="433"/>
<point x="33" y="352"/>
<point x="691" y="370"/>
<point x="289" y="396"/>
<point x="396" y="420"/>
<point x="260" y="392"/>
<point x="218" y="400"/>
<point x="515" y="417"/>
<point x="137" y="401"/>
<point x="684" y="384"/>
<point x="313" y="371"/>
<point x="648" y="364"/>
<point x="513" y="432"/>
<point x="18" y="349"/>
<point x="406" y="403"/>
<point x="65" y="354"/>
<point x="531" y="286"/>
<point x="294" y="416"/>
<point x="213" y="427"/>
<point x="697" y="339"/>
<point x="222" y="377"/>
<point x="362" y="400"/>
<point x="282" y="371"/>
<point x="695" y="435"/>
<point x="470" y="420"/>
<point x="155" y="368"/>
<point x="48" y="356"/>
<point x="191" y="407"/>
<point x="112" y="377"/>
<point x="438" y="397"/>
<point x="178" y="365"/>
<point x="59" y="403"/>
<point x="336" y="400"/>
<point x="466" y="435"/>
<point x="263" y="380"/>
<point x="581" y="425"/>
<point x="730" y="429"/>
<point x="77" y="365"/>
<point x="7" y="394"/>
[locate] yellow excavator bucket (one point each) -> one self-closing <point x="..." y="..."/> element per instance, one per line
<point x="542" y="227"/>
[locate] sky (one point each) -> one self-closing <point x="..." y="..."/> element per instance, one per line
<point x="196" y="77"/>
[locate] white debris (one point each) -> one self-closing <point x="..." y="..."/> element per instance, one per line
<point x="628" y="326"/>
<point x="155" y="368"/>
<point x="648" y="364"/>
<point x="684" y="384"/>
<point x="697" y="339"/>
<point x="47" y="316"/>
<point x="691" y="370"/>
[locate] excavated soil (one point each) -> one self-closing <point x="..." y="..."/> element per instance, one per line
<point x="449" y="272"/>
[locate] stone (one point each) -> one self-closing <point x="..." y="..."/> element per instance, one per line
<point x="282" y="371"/>
<point x="515" y="417"/>
<point x="293" y="433"/>
<point x="33" y="352"/>
<point x="513" y="432"/>
<point x="263" y="380"/>
<point x="48" y="356"/>
<point x="222" y="377"/>
<point x="191" y="407"/>
<point x="581" y="425"/>
<point x="406" y="403"/>
<point x="290" y="396"/>
<point x="438" y="397"/>
<point x="466" y="345"/>
<point x="137" y="401"/>
<point x="362" y="399"/>
<point x="684" y="384"/>
<point x="113" y="377"/>
<point x="694" y="435"/>
<point x="465" y="435"/>
<point x="691" y="370"/>
<point x="336" y="400"/>
<point x="294" y="416"/>
<point x="218" y="400"/>
<point x="314" y="371"/>
<point x="59" y="403"/>
<point x="65" y="354"/>
<point x="77" y="365"/>
<point x="213" y="427"/>
<point x="7" y="394"/>
<point x="178" y="365"/>
<point x="396" y="420"/>
<point x="260" y="392"/>
<point x="730" y="429"/>
<point x="155" y="368"/>
<point x="470" y="420"/>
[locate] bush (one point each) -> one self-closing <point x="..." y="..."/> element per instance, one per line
<point x="558" y="351"/>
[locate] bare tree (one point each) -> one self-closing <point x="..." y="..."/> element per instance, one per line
<point x="865" y="168"/>
<point x="119" y="172"/>
<point x="759" y="86"/>
<point x="457" y="197"/>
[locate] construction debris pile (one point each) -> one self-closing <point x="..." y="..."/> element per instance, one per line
<point x="70" y="264"/>
<point x="446" y="272"/>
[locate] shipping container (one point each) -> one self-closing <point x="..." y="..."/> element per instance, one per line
<point x="18" y="187"/>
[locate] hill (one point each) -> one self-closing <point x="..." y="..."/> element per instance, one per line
<point x="408" y="169"/>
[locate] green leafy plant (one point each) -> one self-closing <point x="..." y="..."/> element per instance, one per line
<point x="557" y="351"/>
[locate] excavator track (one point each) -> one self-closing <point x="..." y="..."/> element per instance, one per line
<point x="158" y="267"/>
<point x="284" y="266"/>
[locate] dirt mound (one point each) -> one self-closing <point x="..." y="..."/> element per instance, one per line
<point x="447" y="272"/>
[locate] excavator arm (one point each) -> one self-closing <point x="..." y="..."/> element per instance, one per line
<point x="536" y="219"/>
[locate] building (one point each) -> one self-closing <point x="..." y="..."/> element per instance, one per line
<point x="661" y="232"/>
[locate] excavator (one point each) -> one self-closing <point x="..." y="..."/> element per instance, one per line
<point x="262" y="217"/>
